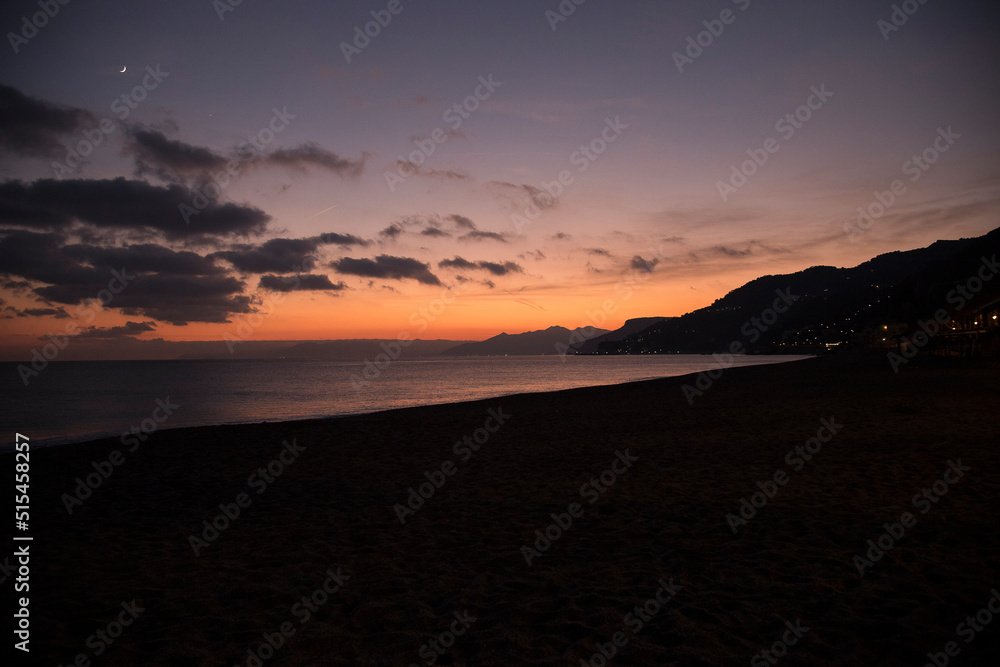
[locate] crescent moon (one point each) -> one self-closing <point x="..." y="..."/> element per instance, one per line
<point x="124" y="68"/>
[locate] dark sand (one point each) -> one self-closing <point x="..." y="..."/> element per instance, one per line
<point x="663" y="518"/>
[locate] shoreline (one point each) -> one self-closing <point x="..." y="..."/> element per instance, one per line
<point x="84" y="438"/>
<point x="660" y="520"/>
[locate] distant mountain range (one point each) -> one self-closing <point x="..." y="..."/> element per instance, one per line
<point x="554" y="340"/>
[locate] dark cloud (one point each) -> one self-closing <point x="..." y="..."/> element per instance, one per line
<point x="174" y="299"/>
<point x="122" y="204"/>
<point x="300" y="283"/>
<point x="462" y="222"/>
<point x="186" y="288"/>
<point x="177" y="161"/>
<point x="146" y="257"/>
<point x="333" y="238"/>
<point x="731" y="252"/>
<point x="284" y="255"/>
<point x="752" y="248"/>
<point x="457" y="263"/>
<point x="32" y="127"/>
<point x="274" y="256"/>
<point x="561" y="236"/>
<point x="496" y="268"/>
<point x="598" y="251"/>
<point x="58" y="313"/>
<point x="313" y="155"/>
<point x="536" y="255"/>
<point x="646" y="265"/>
<point x="386" y="266"/>
<point x="413" y="169"/>
<point x="432" y="225"/>
<point x="483" y="236"/>
<point x="169" y="159"/>
<point x="39" y="257"/>
<point x="126" y="330"/>
<point x="522" y="194"/>
<point x="501" y="269"/>
<point x="392" y="232"/>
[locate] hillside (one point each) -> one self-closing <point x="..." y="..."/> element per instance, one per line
<point x="827" y="305"/>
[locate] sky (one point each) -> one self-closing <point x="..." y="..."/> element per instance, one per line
<point x="187" y="170"/>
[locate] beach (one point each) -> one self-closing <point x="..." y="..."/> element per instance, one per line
<point x="637" y="524"/>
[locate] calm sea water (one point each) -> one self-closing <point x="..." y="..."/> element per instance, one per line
<point x="75" y="401"/>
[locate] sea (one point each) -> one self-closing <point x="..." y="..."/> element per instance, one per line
<point x="75" y="401"/>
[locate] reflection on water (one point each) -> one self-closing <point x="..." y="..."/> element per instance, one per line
<point x="72" y="401"/>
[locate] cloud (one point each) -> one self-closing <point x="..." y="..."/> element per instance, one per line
<point x="39" y="257"/>
<point x="169" y="159"/>
<point x="501" y="269"/>
<point x="179" y="162"/>
<point x="640" y="264"/>
<point x="462" y="222"/>
<point x="598" y="251"/>
<point x="392" y="232"/>
<point x="150" y="257"/>
<point x="333" y="238"/>
<point x="159" y="283"/>
<point x="561" y="236"/>
<point x="536" y="255"/>
<point x="413" y="169"/>
<point x="753" y="248"/>
<point x="32" y="127"/>
<point x="457" y="263"/>
<point x="274" y="256"/>
<point x="123" y="205"/>
<point x="730" y="252"/>
<point x="431" y="226"/>
<point x="313" y="155"/>
<point x="284" y="255"/>
<point x="300" y="283"/>
<point x="497" y="269"/>
<point x="58" y="313"/>
<point x="126" y="330"/>
<point x="483" y="236"/>
<point x="174" y="299"/>
<point x="386" y="266"/>
<point x="522" y="195"/>
<point x="16" y="285"/>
